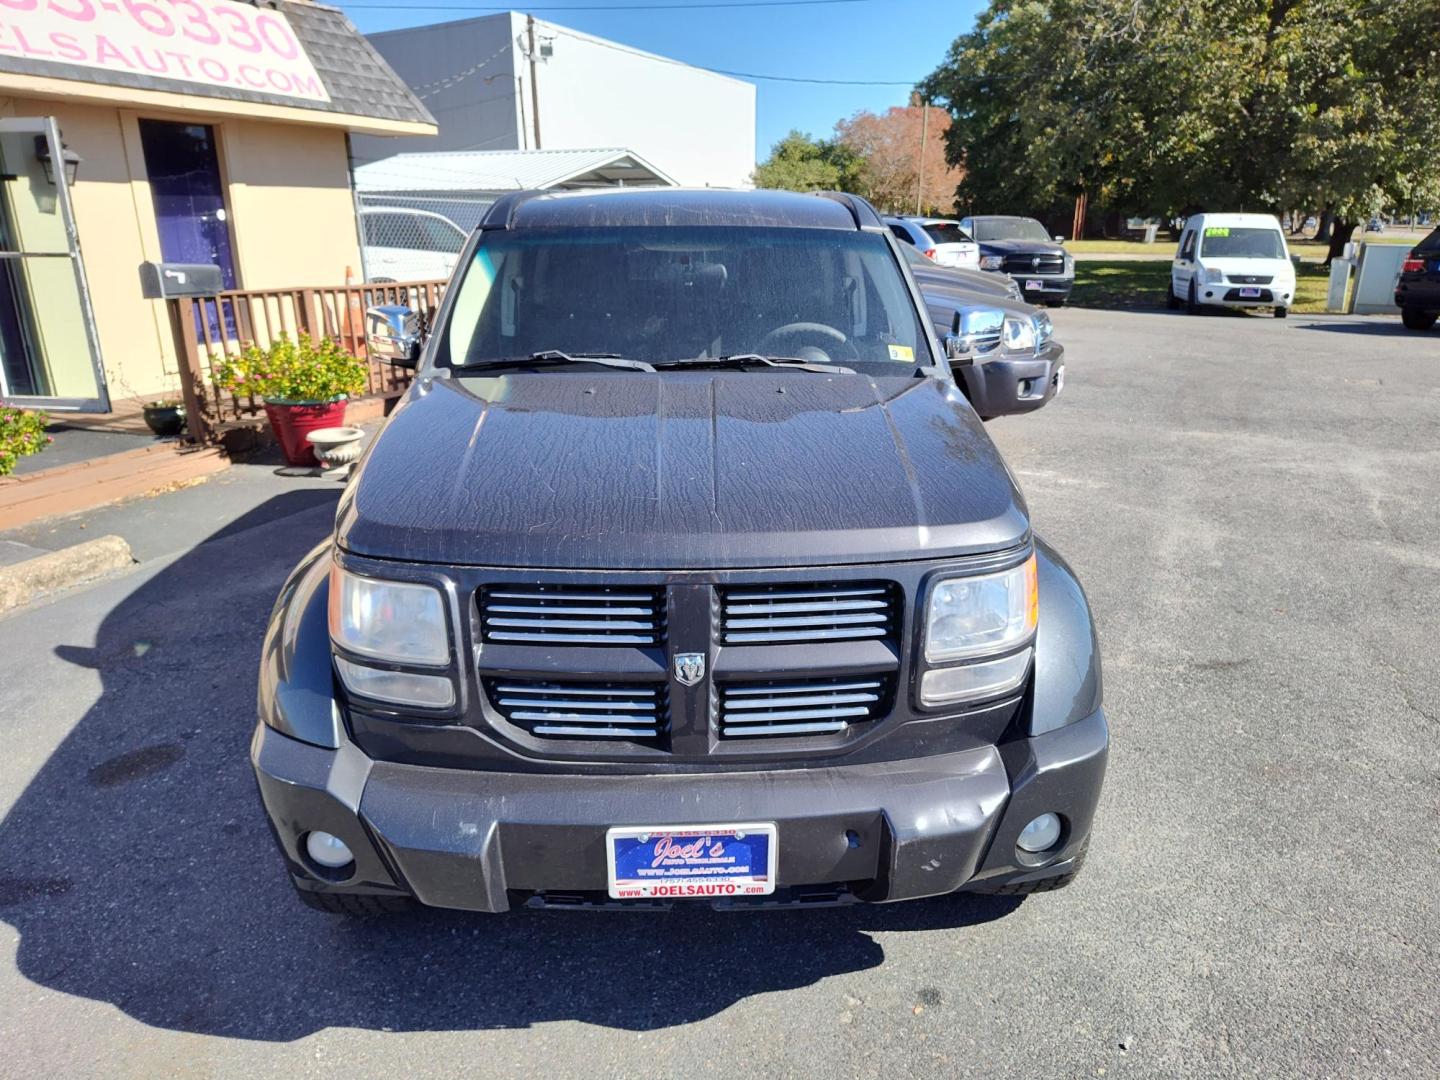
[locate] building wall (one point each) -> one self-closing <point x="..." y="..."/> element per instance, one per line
<point x="465" y="74"/>
<point x="289" y="204"/>
<point x="696" y="126"/>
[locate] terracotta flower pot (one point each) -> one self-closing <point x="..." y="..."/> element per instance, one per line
<point x="293" y="420"/>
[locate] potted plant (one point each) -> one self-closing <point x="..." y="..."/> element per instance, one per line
<point x="304" y="384"/>
<point x="166" y="417"/>
<point x="21" y="433"/>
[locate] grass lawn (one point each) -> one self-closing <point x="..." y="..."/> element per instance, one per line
<point x="1141" y="285"/>
<point x="1164" y="248"/>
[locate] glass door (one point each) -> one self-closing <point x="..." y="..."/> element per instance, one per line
<point x="49" y="353"/>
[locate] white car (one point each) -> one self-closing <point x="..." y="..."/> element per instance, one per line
<point x="402" y="244"/>
<point x="941" y="240"/>
<point x="1232" y="260"/>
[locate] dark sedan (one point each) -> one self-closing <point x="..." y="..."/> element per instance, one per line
<point x="1417" y="293"/>
<point x="1020" y="247"/>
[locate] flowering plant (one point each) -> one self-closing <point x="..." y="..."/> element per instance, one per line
<point x="21" y="433"/>
<point x="291" y="372"/>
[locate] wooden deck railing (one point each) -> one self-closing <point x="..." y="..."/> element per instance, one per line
<point x="206" y="330"/>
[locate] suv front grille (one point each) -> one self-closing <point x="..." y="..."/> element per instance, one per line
<point x="1034" y="264"/>
<point x="581" y="710"/>
<point x="817" y="706"/>
<point x="773" y="615"/>
<point x="572" y="615"/>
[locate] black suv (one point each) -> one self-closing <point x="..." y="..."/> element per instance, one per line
<point x="1020" y="247"/>
<point x="683" y="571"/>
<point x="1417" y="292"/>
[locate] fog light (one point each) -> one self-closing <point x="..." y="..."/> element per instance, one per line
<point x="330" y="851"/>
<point x="1040" y="835"/>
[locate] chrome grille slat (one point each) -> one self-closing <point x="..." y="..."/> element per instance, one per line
<point x="828" y="605"/>
<point x="572" y="615"/>
<point x="834" y="611"/>
<point x="581" y="710"/>
<point x="772" y="638"/>
<point x="802" y="707"/>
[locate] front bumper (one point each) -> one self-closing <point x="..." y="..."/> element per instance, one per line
<point x="1051" y="288"/>
<point x="1005" y="387"/>
<point x="1225" y="294"/>
<point x="486" y="841"/>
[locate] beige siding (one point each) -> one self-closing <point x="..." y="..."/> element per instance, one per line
<point x="291" y="215"/>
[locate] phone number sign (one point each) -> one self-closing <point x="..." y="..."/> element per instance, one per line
<point x="213" y="42"/>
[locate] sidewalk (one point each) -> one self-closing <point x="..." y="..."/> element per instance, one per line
<point x="175" y="521"/>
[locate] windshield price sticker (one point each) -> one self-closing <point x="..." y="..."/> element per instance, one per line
<point x="214" y="42"/>
<point x="1217" y="230"/>
<point x="697" y="862"/>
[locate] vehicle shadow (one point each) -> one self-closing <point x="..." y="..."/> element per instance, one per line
<point x="1370" y="328"/>
<point x="138" y="869"/>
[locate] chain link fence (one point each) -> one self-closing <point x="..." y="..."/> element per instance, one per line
<point x="416" y="237"/>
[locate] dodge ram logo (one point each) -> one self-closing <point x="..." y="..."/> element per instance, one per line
<point x="689" y="667"/>
<point x="1035" y="262"/>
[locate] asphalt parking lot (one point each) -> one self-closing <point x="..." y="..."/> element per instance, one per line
<point x="1253" y="506"/>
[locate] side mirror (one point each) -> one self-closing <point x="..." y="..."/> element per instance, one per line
<point x="392" y="334"/>
<point x="1059" y="239"/>
<point x="974" y="331"/>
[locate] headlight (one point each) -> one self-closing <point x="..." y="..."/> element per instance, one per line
<point x="991" y="262"/>
<point x="388" y="620"/>
<point x="1044" y="327"/>
<point x="1019" y="334"/>
<point x="982" y="614"/>
<point x="397" y="622"/>
<point x="1069" y="265"/>
<point x="1214" y="277"/>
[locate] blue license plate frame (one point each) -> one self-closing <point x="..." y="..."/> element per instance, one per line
<point x="691" y="862"/>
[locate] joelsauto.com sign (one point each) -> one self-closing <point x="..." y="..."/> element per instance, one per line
<point x="214" y="42"/>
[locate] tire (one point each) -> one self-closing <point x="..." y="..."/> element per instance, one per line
<point x="1415" y="318"/>
<point x="1192" y="305"/>
<point x="1281" y="312"/>
<point x="1171" y="300"/>
<point x="356" y="906"/>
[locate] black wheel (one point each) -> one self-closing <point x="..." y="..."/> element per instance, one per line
<point x="1281" y="312"/>
<point x="1171" y="300"/>
<point x="355" y="906"/>
<point x="1192" y="305"/>
<point x="1415" y="318"/>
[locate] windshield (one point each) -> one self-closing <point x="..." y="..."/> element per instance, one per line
<point x="1220" y="242"/>
<point x="668" y="293"/>
<point x="946" y="232"/>
<point x="1009" y="228"/>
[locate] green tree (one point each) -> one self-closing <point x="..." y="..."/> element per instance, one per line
<point x="1157" y="106"/>
<point x="799" y="162"/>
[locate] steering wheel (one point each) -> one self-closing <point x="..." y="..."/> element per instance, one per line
<point x="769" y="342"/>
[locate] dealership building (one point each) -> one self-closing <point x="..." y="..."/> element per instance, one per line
<point x="204" y="132"/>
<point x="513" y="82"/>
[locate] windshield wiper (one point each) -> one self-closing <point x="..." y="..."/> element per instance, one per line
<point x="555" y="356"/>
<point x="743" y="360"/>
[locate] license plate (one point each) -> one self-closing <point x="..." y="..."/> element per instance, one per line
<point x="1249" y="294"/>
<point x="691" y="861"/>
<point x="1034" y="286"/>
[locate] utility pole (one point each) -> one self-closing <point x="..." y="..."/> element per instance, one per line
<point x="534" y="89"/>
<point x="924" y="137"/>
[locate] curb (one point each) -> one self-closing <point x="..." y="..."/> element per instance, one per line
<point x="22" y="582"/>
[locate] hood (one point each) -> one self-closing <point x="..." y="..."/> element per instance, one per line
<point x="978" y="282"/>
<point x="1238" y="265"/>
<point x="680" y="471"/>
<point x="943" y="300"/>
<point x="1021" y="247"/>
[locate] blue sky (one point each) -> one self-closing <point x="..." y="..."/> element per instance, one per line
<point x="870" y="39"/>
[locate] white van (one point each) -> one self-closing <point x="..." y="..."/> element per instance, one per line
<point x="1232" y="260"/>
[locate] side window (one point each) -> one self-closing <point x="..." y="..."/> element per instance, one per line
<point x="903" y="233"/>
<point x="1187" y="244"/>
<point x="440" y="236"/>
